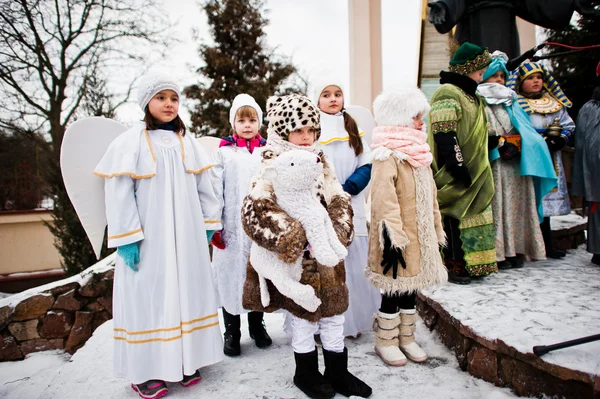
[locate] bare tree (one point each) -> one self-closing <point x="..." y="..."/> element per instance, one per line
<point x="54" y="56"/>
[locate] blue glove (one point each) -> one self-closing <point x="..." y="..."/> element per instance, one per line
<point x="209" y="234"/>
<point x="130" y="253"/>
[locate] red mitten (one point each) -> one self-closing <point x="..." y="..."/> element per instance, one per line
<point x="217" y="240"/>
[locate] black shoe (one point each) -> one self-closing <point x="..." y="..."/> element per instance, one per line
<point x="458" y="278"/>
<point x="231" y="343"/>
<point x="258" y="331"/>
<point x="515" y="262"/>
<point x="504" y="264"/>
<point x="336" y="372"/>
<point x="232" y="336"/>
<point x="308" y="379"/>
<point x="596" y="259"/>
<point x="555" y="253"/>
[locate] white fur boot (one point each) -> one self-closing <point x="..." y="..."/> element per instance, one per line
<point x="386" y="339"/>
<point x="408" y="318"/>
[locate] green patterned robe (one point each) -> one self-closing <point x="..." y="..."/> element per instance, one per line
<point x="452" y="110"/>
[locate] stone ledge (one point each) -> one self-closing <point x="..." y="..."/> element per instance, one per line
<point x="501" y="364"/>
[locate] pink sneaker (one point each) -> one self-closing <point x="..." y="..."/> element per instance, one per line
<point x="189" y="380"/>
<point x="152" y="389"/>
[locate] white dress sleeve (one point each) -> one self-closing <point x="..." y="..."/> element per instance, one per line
<point x="211" y="206"/>
<point x="124" y="225"/>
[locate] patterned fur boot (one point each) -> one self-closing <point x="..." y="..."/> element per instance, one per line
<point x="408" y="318"/>
<point x="386" y="328"/>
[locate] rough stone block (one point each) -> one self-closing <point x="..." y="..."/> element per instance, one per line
<point x="94" y="307"/>
<point x="483" y="363"/>
<point x="106" y="301"/>
<point x="33" y="307"/>
<point x="24" y="330"/>
<point x="81" y="331"/>
<point x="9" y="350"/>
<point x="39" y="345"/>
<point x="56" y="324"/>
<point x="427" y="313"/>
<point x="6" y="316"/>
<point x="67" y="301"/>
<point x="100" y="318"/>
<point x="452" y="338"/>
<point x="62" y="289"/>
<point x="95" y="287"/>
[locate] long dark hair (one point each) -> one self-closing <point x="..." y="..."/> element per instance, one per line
<point x="152" y="124"/>
<point x="353" y="134"/>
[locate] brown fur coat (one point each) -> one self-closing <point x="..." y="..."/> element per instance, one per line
<point x="270" y="227"/>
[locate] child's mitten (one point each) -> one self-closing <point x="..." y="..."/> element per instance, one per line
<point x="130" y="253"/>
<point x="217" y="240"/>
<point x="209" y="234"/>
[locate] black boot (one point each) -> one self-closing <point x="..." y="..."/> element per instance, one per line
<point x="596" y="259"/>
<point x="232" y="336"/>
<point x="257" y="329"/>
<point x="516" y="262"/>
<point x="547" y="235"/>
<point x="336" y="372"/>
<point x="308" y="379"/>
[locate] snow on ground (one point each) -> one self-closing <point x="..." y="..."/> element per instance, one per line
<point x="257" y="373"/>
<point x="4" y="295"/>
<point x="545" y="302"/>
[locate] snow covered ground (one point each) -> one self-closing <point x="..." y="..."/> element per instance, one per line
<point x="257" y="373"/>
<point x="545" y="302"/>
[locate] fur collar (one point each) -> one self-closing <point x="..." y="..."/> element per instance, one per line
<point x="467" y="84"/>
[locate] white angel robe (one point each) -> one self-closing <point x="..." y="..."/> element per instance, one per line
<point x="159" y="194"/>
<point x="364" y="299"/>
<point x="234" y="169"/>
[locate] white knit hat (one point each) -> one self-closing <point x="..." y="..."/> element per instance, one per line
<point x="152" y="84"/>
<point x="243" y="100"/>
<point x="399" y="107"/>
<point x="321" y="84"/>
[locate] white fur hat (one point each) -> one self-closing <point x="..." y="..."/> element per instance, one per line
<point x="242" y="100"/>
<point x="399" y="107"/>
<point x="152" y="84"/>
<point x="321" y="84"/>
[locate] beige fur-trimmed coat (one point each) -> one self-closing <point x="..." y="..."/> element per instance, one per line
<point x="404" y="201"/>
<point x="270" y="227"/>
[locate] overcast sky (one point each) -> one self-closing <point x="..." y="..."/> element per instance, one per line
<point x="313" y="33"/>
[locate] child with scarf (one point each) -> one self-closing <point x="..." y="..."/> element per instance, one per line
<point x="343" y="143"/>
<point x="406" y="224"/>
<point x="543" y="100"/>
<point x="294" y="125"/>
<point x="235" y="165"/>
<point x="522" y="170"/>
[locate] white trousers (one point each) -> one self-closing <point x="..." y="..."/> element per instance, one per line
<point x="331" y="330"/>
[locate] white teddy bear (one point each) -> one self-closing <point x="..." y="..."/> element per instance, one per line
<point x="294" y="176"/>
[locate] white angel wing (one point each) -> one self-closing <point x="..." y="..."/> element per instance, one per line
<point x="364" y="120"/>
<point x="84" y="144"/>
<point x="209" y="144"/>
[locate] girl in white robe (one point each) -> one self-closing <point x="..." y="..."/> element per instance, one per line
<point x="161" y="212"/>
<point x="343" y="144"/>
<point x="236" y="163"/>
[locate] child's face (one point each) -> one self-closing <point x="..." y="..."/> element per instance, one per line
<point x="331" y="100"/>
<point x="477" y="75"/>
<point x="246" y="127"/>
<point x="164" y="106"/>
<point x="418" y="122"/>
<point x="304" y="137"/>
<point x="498" y="77"/>
<point x="532" y="83"/>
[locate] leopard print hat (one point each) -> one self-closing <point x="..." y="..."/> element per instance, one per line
<point x="291" y="112"/>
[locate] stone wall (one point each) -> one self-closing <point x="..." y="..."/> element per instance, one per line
<point x="61" y="315"/>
